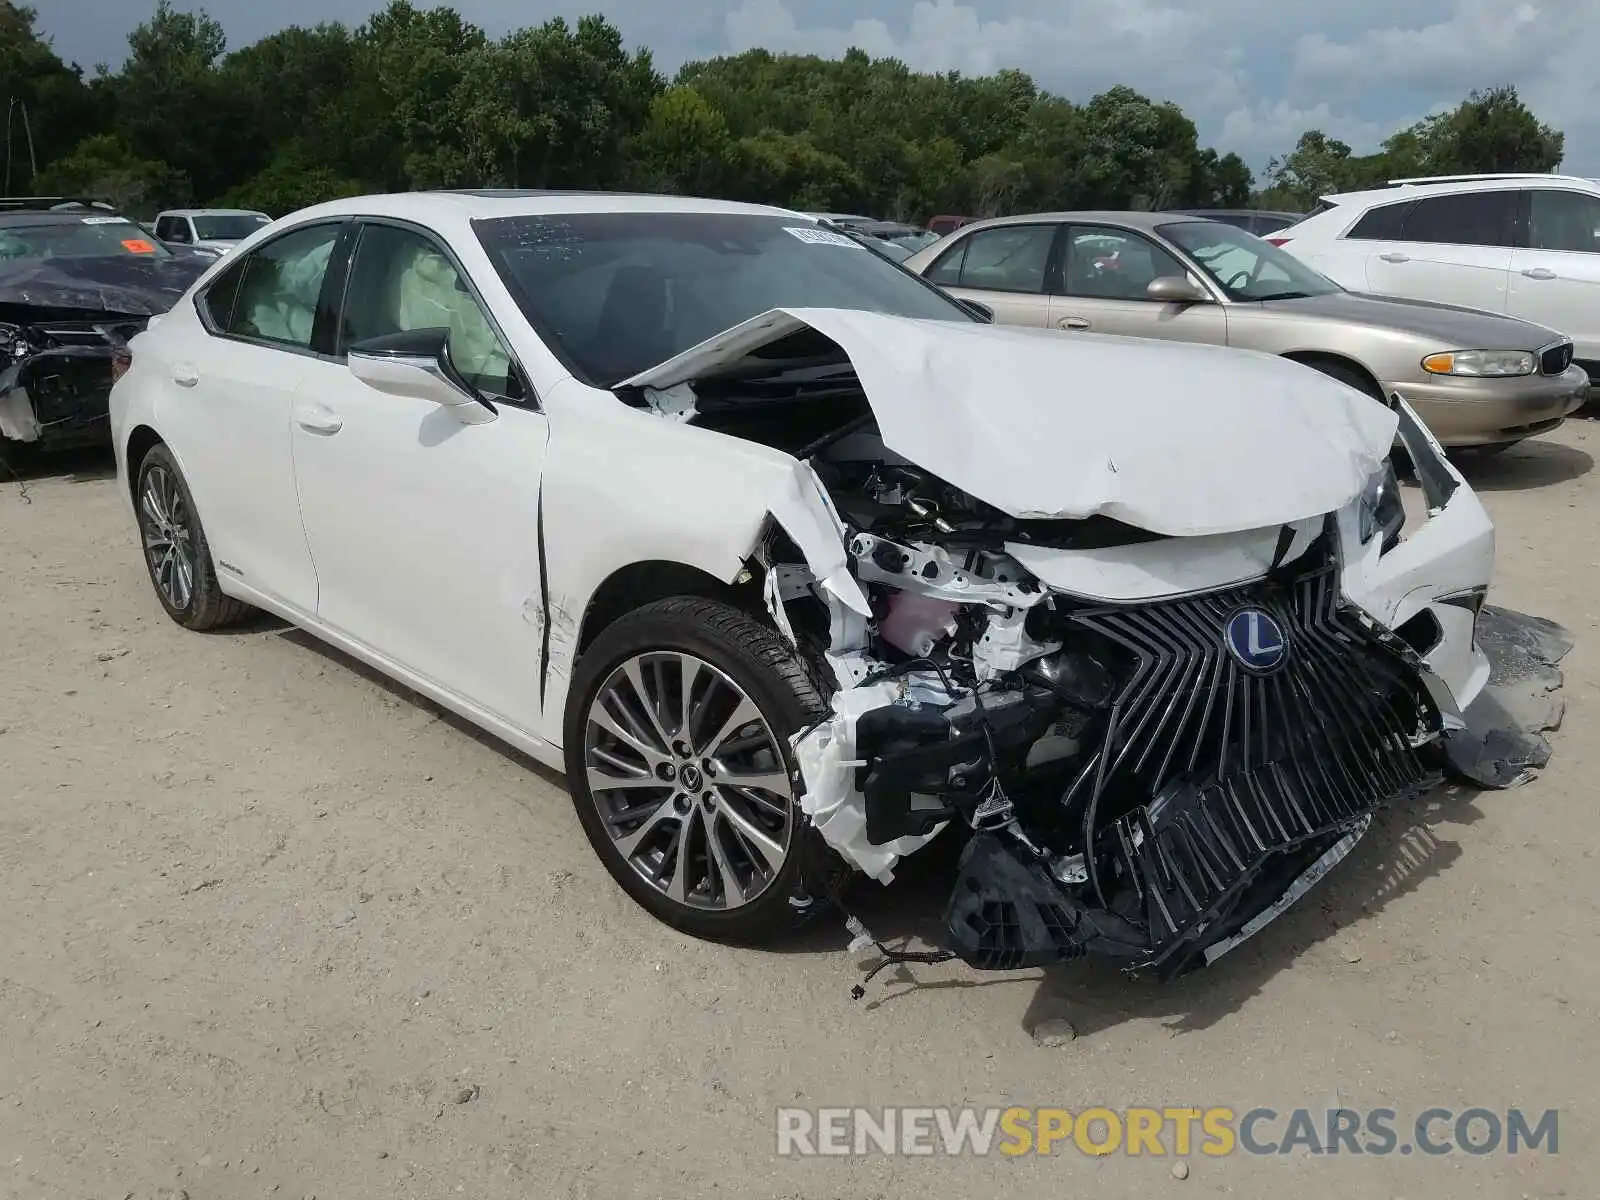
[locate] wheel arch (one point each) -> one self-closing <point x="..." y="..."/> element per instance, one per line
<point x="636" y="584"/>
<point x="1312" y="358"/>
<point x="141" y="441"/>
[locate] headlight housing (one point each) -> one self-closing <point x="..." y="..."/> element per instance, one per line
<point x="1480" y="364"/>
<point x="1381" y="508"/>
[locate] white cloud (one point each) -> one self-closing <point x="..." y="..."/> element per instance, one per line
<point x="1253" y="75"/>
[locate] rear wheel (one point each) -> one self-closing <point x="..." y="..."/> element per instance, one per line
<point x="175" y="549"/>
<point x="678" y="759"/>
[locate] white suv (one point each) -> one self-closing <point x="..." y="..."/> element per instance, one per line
<point x="1525" y="245"/>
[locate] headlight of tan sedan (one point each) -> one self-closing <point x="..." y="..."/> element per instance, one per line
<point x="1479" y="364"/>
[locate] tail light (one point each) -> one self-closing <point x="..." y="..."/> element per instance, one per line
<point x="121" y="360"/>
<point x="1280" y="241"/>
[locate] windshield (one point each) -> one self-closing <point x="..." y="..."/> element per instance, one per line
<point x="1245" y="266"/>
<point x="228" y="227"/>
<point x="78" y="237"/>
<point x="617" y="293"/>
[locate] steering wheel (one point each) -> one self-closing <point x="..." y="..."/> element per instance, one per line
<point x="1239" y="280"/>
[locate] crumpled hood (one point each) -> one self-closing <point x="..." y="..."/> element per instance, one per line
<point x="1175" y="438"/>
<point x="126" y="284"/>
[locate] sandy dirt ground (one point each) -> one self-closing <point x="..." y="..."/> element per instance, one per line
<point x="270" y="926"/>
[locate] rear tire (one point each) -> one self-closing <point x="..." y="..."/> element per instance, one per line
<point x="653" y="786"/>
<point x="176" y="553"/>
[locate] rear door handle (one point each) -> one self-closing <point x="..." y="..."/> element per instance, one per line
<point x="318" y="418"/>
<point x="1395" y="256"/>
<point x="185" y="375"/>
<point x="1073" y="323"/>
<point x="1539" y="273"/>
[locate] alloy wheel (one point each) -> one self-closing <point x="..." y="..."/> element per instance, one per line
<point x="168" y="537"/>
<point x="689" y="780"/>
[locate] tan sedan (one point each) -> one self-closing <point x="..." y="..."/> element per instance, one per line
<point x="1478" y="379"/>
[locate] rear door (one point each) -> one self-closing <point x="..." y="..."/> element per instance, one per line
<point x="1007" y="267"/>
<point x="1555" y="274"/>
<point x="1105" y="271"/>
<point x="1454" y="248"/>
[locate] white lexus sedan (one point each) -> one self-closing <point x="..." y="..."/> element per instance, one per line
<point x="791" y="562"/>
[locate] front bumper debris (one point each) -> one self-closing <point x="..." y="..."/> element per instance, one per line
<point x="1254" y="776"/>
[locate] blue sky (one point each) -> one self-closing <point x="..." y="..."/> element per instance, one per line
<point x="1253" y="74"/>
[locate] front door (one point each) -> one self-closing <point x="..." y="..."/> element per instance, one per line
<point x="1105" y="271"/>
<point x="425" y="529"/>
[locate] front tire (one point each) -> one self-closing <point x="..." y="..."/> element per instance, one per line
<point x="176" y="552"/>
<point x="678" y="760"/>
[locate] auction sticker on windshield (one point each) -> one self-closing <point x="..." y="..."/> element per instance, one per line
<point x="823" y="237"/>
<point x="138" y="246"/>
<point x="102" y="220"/>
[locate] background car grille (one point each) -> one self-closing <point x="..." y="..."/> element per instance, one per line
<point x="1227" y="768"/>
<point x="1556" y="359"/>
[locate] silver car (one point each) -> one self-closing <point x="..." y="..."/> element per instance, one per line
<point x="1477" y="379"/>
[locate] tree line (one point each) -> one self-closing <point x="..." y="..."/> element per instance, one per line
<point x="417" y="98"/>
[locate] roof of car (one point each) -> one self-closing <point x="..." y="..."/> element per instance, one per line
<point x="212" y="212"/>
<point x="507" y="202"/>
<point x="1143" y="221"/>
<point x="1402" y="189"/>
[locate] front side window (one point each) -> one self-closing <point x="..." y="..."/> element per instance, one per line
<point x="1245" y="266"/>
<point x="1004" y="258"/>
<point x="1464" y="219"/>
<point x="400" y="280"/>
<point x="617" y="293"/>
<point x="1113" y="264"/>
<point x="1559" y="220"/>
<point x="171" y="229"/>
<point x="277" y="296"/>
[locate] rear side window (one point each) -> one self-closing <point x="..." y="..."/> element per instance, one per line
<point x="1383" y="224"/>
<point x="216" y="302"/>
<point x="1007" y="258"/>
<point x="282" y="281"/>
<point x="1464" y="219"/>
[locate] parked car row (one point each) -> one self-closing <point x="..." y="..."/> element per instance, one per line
<point x="1476" y="378"/>
<point x="791" y="561"/>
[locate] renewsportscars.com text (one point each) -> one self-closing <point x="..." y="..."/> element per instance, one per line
<point x="1216" y="1132"/>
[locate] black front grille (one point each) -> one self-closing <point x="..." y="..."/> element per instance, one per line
<point x="1556" y="359"/>
<point x="1207" y="769"/>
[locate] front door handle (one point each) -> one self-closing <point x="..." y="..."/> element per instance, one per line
<point x="1073" y="323"/>
<point x="1395" y="256"/>
<point x="184" y="375"/>
<point x="1539" y="273"/>
<point x="318" y="418"/>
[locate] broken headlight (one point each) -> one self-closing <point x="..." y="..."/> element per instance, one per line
<point x="1381" y="509"/>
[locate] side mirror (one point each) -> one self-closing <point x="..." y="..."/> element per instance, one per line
<point x="416" y="363"/>
<point x="982" y="311"/>
<point x="1176" y="289"/>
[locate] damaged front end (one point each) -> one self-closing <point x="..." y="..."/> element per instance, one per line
<point x="1159" y="732"/>
<point x="56" y="375"/>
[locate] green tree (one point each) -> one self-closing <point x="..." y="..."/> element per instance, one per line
<point x="47" y="102"/>
<point x="105" y="168"/>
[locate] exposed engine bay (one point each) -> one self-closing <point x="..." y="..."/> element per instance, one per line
<point x="1150" y="773"/>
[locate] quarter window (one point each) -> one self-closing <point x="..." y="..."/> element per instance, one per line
<point x="1382" y="224"/>
<point x="400" y="280"/>
<point x="1464" y="219"/>
<point x="277" y="295"/>
<point x="1006" y="258"/>
<point x="1109" y="264"/>
<point x="1560" y="220"/>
